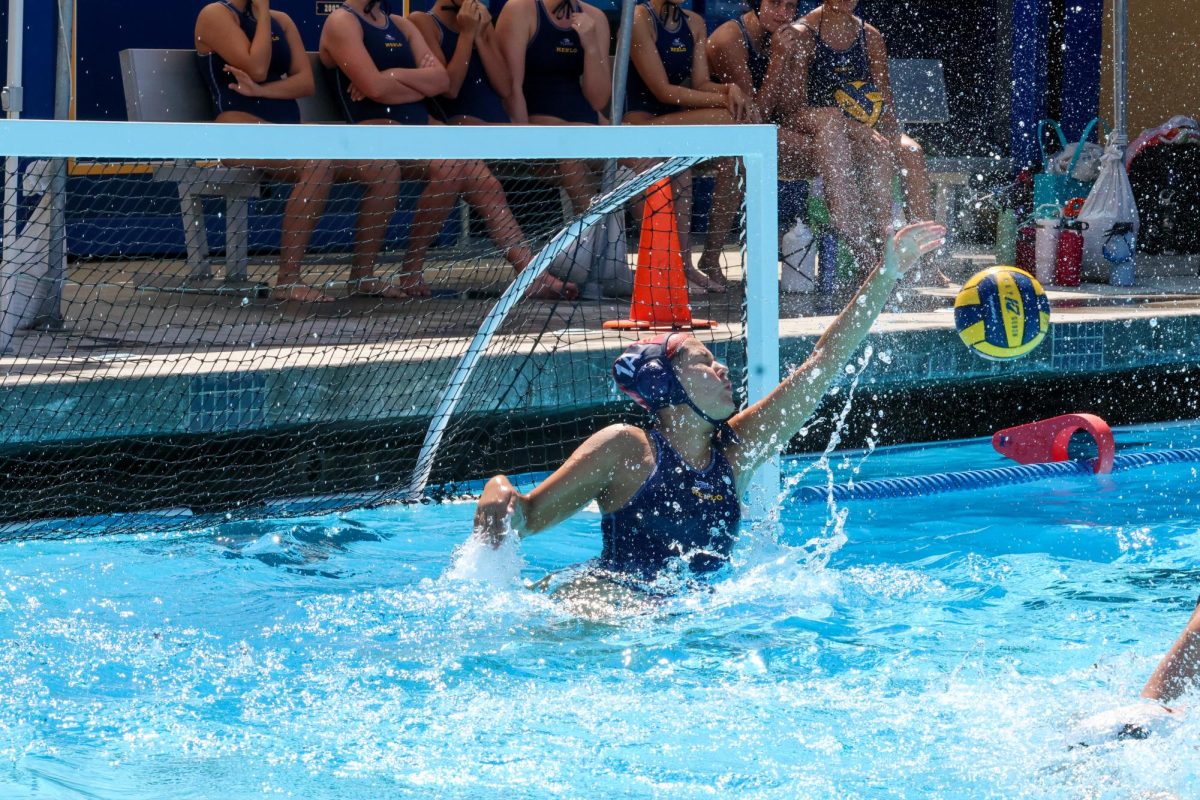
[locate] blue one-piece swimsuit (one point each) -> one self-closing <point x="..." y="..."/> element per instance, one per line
<point x="679" y="513"/>
<point x="389" y="49"/>
<point x="476" y="98"/>
<point x="675" y="50"/>
<point x="757" y="60"/>
<point x="553" y="70"/>
<point x="831" y="69"/>
<point x="212" y="71"/>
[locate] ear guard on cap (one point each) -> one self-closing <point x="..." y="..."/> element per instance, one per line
<point x="644" y="373"/>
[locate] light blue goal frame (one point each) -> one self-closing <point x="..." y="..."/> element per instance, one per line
<point x="754" y="144"/>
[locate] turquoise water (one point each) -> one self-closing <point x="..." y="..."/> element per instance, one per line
<point x="944" y="647"/>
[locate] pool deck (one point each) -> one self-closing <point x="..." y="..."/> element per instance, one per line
<point x="146" y="354"/>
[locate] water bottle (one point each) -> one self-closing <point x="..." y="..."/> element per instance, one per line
<point x="799" y="273"/>
<point x="1026" y="241"/>
<point x="1069" y="261"/>
<point x="1046" y="249"/>
<point x="1006" y="237"/>
<point x="1118" y="250"/>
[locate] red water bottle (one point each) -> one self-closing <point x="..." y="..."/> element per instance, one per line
<point x="1069" y="261"/>
<point x="1026" y="247"/>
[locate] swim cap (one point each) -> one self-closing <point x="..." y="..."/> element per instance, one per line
<point x="644" y="373"/>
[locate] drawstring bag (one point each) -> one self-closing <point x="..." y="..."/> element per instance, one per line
<point x="1068" y="173"/>
<point x="1112" y="219"/>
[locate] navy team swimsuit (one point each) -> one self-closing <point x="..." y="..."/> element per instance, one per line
<point x="678" y="513"/>
<point x="553" y="70"/>
<point x="757" y="60"/>
<point x="389" y="48"/>
<point x="212" y="71"/>
<point x="476" y="98"/>
<point x="831" y="69"/>
<point x="675" y="51"/>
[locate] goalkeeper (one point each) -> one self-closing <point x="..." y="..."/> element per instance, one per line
<point x="670" y="495"/>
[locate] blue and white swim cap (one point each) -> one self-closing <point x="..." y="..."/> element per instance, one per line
<point x="644" y="372"/>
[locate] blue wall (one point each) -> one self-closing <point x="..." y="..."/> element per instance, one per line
<point x="1078" y="92"/>
<point x="40" y="43"/>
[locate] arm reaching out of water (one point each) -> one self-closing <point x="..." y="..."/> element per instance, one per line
<point x="677" y="378"/>
<point x="766" y="427"/>
<point x="588" y="474"/>
<point x="1178" y="668"/>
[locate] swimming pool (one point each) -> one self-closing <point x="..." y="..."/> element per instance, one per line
<point x="941" y="647"/>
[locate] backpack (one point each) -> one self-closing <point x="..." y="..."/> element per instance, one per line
<point x="1166" y="185"/>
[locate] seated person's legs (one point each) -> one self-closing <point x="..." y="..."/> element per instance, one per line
<point x="914" y="177"/>
<point x="443" y="184"/>
<point x="311" y="181"/>
<point x="381" y="187"/>
<point x="711" y="279"/>
<point x="486" y="196"/>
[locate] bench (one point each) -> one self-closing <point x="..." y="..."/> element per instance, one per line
<point x="165" y="86"/>
<point x="919" y="94"/>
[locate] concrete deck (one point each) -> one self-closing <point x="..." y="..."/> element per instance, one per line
<point x="145" y="353"/>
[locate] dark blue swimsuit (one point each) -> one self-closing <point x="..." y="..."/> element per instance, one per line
<point x="476" y="98"/>
<point x="757" y="60"/>
<point x="212" y="70"/>
<point x="679" y="512"/>
<point x="553" y="70"/>
<point x="389" y="49"/>
<point x="675" y="51"/>
<point x="831" y="69"/>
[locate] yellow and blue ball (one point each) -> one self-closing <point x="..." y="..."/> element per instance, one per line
<point x="860" y="101"/>
<point x="1002" y="313"/>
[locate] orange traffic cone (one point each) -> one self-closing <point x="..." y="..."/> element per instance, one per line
<point x="660" y="290"/>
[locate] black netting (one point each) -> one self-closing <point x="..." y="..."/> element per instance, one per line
<point x="179" y="341"/>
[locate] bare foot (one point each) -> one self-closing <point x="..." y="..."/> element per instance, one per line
<point x="548" y="287"/>
<point x="377" y="288"/>
<point x="299" y="293"/>
<point x="706" y="283"/>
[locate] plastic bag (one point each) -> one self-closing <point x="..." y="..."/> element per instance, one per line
<point x="597" y="261"/>
<point x="1111" y="217"/>
<point x="1087" y="167"/>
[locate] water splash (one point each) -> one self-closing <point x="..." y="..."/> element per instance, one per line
<point x="477" y="561"/>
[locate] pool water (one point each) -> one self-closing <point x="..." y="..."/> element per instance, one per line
<point x="944" y="647"/>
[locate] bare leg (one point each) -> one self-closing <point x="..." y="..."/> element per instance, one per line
<point x="708" y="276"/>
<point x="833" y="157"/>
<point x="305" y="205"/>
<point x="486" y="196"/>
<point x="726" y="203"/>
<point x="876" y="171"/>
<point x="1177" y="670"/>
<point x="433" y="207"/>
<point x="914" y="177"/>
<point x="381" y="187"/>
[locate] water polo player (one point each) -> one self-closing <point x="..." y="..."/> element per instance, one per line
<point x="670" y="495"/>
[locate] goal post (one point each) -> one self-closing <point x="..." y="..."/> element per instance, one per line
<point x="179" y="360"/>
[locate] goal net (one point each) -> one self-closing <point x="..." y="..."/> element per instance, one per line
<point x="244" y="321"/>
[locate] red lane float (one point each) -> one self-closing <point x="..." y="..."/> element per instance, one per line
<point x="1046" y="441"/>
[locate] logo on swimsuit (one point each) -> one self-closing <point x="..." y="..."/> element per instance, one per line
<point x="698" y="491"/>
<point x="566" y="47"/>
<point x="678" y="46"/>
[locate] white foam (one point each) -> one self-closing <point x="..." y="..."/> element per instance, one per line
<point x="1136" y="721"/>
<point x="477" y="561"/>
